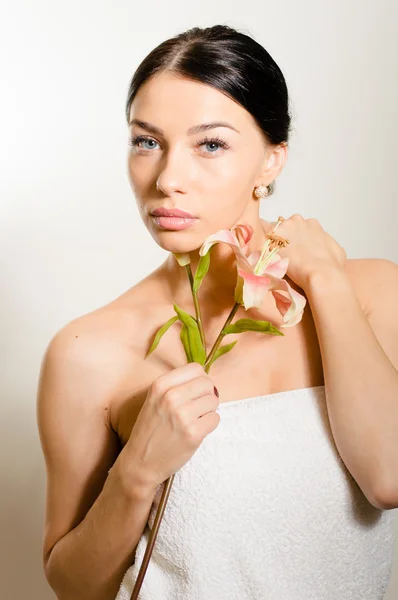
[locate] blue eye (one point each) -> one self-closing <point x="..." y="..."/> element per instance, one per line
<point x="135" y="141"/>
<point x="215" y="141"/>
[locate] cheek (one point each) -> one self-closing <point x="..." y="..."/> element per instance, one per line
<point x="139" y="175"/>
<point x="230" y="173"/>
<point x="138" y="186"/>
<point x="223" y="177"/>
<point x="232" y="189"/>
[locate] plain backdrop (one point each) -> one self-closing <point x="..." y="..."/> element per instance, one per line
<point x="71" y="236"/>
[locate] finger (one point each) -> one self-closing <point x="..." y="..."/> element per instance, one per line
<point x="194" y="389"/>
<point x="177" y="376"/>
<point x="267" y="225"/>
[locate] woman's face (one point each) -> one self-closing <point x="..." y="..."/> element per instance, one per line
<point x="210" y="173"/>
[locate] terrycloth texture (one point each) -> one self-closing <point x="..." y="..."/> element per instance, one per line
<point x="266" y="510"/>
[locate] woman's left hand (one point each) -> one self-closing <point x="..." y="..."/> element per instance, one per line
<point x="310" y="250"/>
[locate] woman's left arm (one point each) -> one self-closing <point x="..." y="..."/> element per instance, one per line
<point x="360" y="363"/>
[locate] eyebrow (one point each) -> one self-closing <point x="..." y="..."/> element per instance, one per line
<point x="191" y="130"/>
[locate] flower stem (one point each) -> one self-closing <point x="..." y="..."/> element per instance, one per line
<point x="197" y="307"/>
<point x="220" y="336"/>
<point x="200" y="323"/>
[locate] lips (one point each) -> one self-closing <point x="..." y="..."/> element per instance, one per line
<point x="173" y="223"/>
<point x="172" y="212"/>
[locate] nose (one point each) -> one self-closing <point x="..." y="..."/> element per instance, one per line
<point x="173" y="178"/>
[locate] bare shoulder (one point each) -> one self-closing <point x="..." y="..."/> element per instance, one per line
<point x="371" y="278"/>
<point x="88" y="365"/>
<point x="100" y="346"/>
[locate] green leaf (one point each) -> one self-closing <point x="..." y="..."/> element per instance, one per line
<point x="190" y="337"/>
<point x="252" y="325"/>
<point x="201" y="270"/>
<point x="220" y="351"/>
<point x="185" y="343"/>
<point x="160" y="333"/>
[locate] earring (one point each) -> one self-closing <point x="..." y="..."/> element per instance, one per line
<point x="261" y="191"/>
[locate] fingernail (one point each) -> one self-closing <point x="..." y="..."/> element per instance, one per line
<point x="216" y="392"/>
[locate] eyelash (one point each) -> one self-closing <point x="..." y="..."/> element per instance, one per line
<point x="134" y="141"/>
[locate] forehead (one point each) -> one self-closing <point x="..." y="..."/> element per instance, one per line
<point x="168" y="100"/>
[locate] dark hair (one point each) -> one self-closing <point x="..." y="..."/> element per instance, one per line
<point x="231" y="62"/>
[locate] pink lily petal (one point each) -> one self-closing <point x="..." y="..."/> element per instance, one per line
<point x="223" y="235"/>
<point x="253" y="258"/>
<point x="237" y="237"/>
<point x="251" y="289"/>
<point x="292" y="308"/>
<point x="277" y="266"/>
<point x="243" y="233"/>
<point x="245" y="262"/>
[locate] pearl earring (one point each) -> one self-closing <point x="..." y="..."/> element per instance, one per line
<point x="261" y="191"/>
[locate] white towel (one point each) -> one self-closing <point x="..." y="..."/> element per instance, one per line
<point x="266" y="510"/>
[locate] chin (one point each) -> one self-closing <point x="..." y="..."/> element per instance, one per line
<point x="169" y="241"/>
<point x="179" y="241"/>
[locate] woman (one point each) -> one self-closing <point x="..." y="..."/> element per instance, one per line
<point x="289" y="495"/>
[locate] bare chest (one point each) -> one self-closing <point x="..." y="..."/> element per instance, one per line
<point x="259" y="364"/>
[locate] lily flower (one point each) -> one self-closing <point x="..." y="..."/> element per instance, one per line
<point x="183" y="259"/>
<point x="259" y="272"/>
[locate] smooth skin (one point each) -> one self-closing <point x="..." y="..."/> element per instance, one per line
<point x="101" y="405"/>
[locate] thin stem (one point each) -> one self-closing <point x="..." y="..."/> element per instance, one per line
<point x="197" y="307"/>
<point x="200" y="323"/>
<point x="220" y="336"/>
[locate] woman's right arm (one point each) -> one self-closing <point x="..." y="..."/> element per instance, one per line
<point x="93" y="519"/>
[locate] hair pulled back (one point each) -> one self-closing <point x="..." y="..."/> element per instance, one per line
<point x="230" y="61"/>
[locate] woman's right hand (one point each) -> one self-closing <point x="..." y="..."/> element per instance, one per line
<point x="178" y="413"/>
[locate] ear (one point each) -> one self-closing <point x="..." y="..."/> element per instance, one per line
<point x="276" y="157"/>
